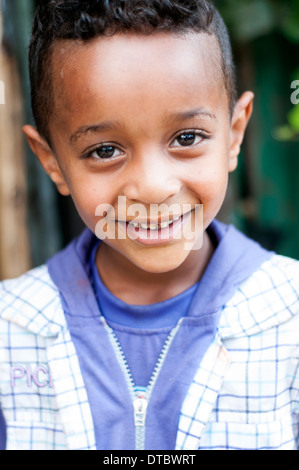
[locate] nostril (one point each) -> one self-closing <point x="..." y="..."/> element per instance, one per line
<point x="152" y="192"/>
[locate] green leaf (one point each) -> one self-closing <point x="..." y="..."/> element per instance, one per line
<point x="284" y="133"/>
<point x="293" y="118"/>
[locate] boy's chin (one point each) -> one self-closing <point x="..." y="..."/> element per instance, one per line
<point x="159" y="262"/>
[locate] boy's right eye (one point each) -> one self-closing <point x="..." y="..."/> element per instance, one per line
<point x="104" y="152"/>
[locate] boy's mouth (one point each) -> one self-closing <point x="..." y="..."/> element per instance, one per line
<point x="156" y="233"/>
<point x="154" y="226"/>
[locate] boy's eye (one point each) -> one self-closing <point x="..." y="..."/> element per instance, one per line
<point x="187" y="139"/>
<point x="105" y="152"/>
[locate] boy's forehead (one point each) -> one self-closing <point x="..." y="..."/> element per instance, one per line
<point x="121" y="62"/>
<point x="126" y="47"/>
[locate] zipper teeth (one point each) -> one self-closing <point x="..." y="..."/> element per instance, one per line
<point x="139" y="433"/>
<point x="139" y="439"/>
<point x="162" y="357"/>
<point x="139" y="430"/>
<point x="124" y="364"/>
<point x="121" y="357"/>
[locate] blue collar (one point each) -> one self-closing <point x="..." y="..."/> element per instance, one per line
<point x="157" y="315"/>
<point x="235" y="259"/>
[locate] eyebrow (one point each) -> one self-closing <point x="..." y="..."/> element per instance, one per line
<point x="185" y="115"/>
<point x="108" y="125"/>
<point x="104" y="126"/>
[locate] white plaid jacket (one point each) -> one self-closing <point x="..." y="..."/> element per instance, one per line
<point x="245" y="394"/>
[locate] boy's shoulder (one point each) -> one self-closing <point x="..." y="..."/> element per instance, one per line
<point x="278" y="274"/>
<point x="279" y="270"/>
<point x="32" y="302"/>
<point x="267" y="298"/>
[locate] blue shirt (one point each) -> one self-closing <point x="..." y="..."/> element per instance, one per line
<point x="140" y="329"/>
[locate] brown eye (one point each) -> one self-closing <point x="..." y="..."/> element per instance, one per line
<point x="104" y="152"/>
<point x="188" y="139"/>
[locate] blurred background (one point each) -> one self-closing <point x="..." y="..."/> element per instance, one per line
<point x="263" y="195"/>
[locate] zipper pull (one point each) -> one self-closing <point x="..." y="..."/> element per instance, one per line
<point x="140" y="406"/>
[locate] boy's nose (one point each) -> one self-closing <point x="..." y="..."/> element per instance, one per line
<point x="152" y="179"/>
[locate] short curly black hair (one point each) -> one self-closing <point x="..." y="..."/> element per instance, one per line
<point x="57" y="20"/>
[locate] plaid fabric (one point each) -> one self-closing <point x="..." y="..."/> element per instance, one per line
<point x="42" y="391"/>
<point x="245" y="394"/>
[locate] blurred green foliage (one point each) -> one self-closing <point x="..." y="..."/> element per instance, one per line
<point x="248" y="20"/>
<point x="260" y="17"/>
<point x="265" y="191"/>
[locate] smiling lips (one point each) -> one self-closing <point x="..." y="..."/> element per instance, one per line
<point x="155" y="227"/>
<point x="151" y="234"/>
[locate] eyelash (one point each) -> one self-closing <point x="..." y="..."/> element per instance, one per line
<point x="203" y="135"/>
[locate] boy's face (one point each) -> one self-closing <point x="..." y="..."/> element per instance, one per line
<point x="145" y="118"/>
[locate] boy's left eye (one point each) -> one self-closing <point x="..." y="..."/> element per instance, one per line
<point x="187" y="139"/>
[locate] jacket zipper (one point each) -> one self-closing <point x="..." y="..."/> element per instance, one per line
<point x="140" y="395"/>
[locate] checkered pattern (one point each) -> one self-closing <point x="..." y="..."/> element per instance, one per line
<point x="245" y="394"/>
<point x="33" y="333"/>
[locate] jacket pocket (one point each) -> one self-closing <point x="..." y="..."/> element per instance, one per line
<point x="35" y="435"/>
<point x="272" y="435"/>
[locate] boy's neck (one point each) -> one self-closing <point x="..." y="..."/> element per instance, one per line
<point x="137" y="287"/>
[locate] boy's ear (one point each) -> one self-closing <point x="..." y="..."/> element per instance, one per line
<point x="47" y="159"/>
<point x="239" y="122"/>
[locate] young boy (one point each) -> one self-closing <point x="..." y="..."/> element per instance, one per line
<point x="159" y="327"/>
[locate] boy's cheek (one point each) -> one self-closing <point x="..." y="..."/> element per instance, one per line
<point x="209" y="185"/>
<point x="86" y="205"/>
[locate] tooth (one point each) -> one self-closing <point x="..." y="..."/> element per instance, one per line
<point x="144" y="226"/>
<point x="177" y="218"/>
<point x="133" y="224"/>
<point x="164" y="224"/>
<point x="153" y="226"/>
